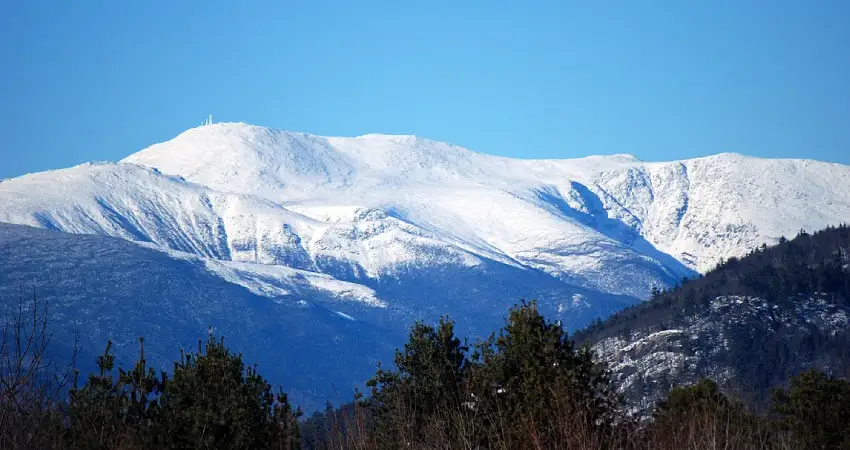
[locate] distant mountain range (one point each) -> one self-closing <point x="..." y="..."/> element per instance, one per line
<point x="283" y="240"/>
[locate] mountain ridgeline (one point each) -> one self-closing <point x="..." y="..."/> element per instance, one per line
<point x="750" y="324"/>
<point x="592" y="234"/>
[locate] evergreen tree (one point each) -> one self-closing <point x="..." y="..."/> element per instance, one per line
<point x="816" y="411"/>
<point x="532" y="372"/>
<point x="703" y="397"/>
<point x="212" y="401"/>
<point x="110" y="412"/>
<point x="425" y="387"/>
<point x="215" y="401"/>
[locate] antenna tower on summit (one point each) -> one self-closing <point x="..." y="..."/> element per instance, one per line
<point x="207" y="122"/>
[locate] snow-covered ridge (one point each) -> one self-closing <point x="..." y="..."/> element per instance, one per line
<point x="697" y="210"/>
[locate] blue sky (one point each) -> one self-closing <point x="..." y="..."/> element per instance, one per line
<point x="98" y="79"/>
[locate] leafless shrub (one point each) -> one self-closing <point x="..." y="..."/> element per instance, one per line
<point x="33" y="383"/>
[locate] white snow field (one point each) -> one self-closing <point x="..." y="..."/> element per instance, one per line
<point x="382" y="230"/>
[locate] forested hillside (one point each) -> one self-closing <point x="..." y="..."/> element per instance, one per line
<point x="751" y="324"/>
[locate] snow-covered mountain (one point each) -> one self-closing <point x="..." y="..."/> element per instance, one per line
<point x="521" y="211"/>
<point x="396" y="228"/>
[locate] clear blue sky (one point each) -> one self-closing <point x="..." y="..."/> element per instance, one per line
<point x="98" y="80"/>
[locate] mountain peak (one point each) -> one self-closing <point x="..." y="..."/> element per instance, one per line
<point x="626" y="156"/>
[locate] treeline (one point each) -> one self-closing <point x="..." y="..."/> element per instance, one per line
<point x="528" y="386"/>
<point x="210" y="399"/>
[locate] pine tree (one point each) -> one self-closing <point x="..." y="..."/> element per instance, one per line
<point x="700" y="416"/>
<point x="95" y="410"/>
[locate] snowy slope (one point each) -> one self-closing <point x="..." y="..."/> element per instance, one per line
<point x="696" y="210"/>
<point x="476" y="202"/>
<point x="138" y="203"/>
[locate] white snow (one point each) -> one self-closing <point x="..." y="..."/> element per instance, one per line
<point x="698" y="210"/>
<point x="345" y="316"/>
